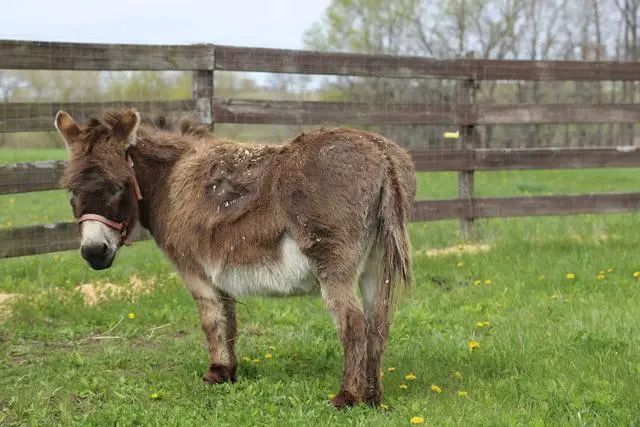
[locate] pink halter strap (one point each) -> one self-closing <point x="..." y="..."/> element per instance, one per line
<point x="122" y="227"/>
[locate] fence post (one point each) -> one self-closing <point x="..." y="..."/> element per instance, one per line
<point x="202" y="91"/>
<point x="466" y="94"/>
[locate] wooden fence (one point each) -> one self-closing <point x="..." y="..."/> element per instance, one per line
<point x="464" y="114"/>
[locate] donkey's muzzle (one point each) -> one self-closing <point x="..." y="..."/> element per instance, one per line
<point x="98" y="255"/>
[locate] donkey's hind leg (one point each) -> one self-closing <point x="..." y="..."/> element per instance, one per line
<point x="218" y="321"/>
<point x="375" y="300"/>
<point x="341" y="300"/>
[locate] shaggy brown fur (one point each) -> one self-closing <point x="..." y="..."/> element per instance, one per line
<point x="335" y="201"/>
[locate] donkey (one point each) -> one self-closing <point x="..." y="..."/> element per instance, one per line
<point x="327" y="210"/>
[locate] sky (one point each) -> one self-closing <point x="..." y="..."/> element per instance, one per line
<point x="266" y="23"/>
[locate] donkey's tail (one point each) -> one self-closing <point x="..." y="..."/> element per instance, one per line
<point x="397" y="193"/>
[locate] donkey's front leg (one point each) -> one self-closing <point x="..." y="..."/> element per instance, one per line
<point x="218" y="321"/>
<point x="343" y="303"/>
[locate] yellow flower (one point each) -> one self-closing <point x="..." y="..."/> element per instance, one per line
<point x="436" y="389"/>
<point x="331" y="396"/>
<point x="383" y="406"/>
<point x="131" y="315"/>
<point x="483" y="324"/>
<point x="570" y="276"/>
<point x="416" y="420"/>
<point x="154" y="396"/>
<point x="477" y="282"/>
<point x="488" y="282"/>
<point x="268" y="356"/>
<point x="473" y="345"/>
<point x="410" y="376"/>
<point x="246" y="359"/>
<point x="636" y="274"/>
<point x="404" y="386"/>
<point x="457" y="375"/>
<point x="600" y="276"/>
<point x="391" y="369"/>
<point x="256" y="361"/>
<point x="609" y="270"/>
<point x="462" y="393"/>
<point x="460" y="264"/>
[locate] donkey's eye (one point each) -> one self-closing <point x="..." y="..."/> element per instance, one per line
<point x="116" y="197"/>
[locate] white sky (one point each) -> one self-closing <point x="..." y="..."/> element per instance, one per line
<point x="267" y="23"/>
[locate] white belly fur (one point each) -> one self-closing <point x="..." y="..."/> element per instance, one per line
<point x="290" y="274"/>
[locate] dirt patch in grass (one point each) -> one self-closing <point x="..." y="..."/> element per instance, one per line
<point x="5" y="304"/>
<point x="95" y="293"/>
<point x="455" y="250"/>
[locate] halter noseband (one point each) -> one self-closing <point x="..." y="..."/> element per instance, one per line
<point x="122" y="227"/>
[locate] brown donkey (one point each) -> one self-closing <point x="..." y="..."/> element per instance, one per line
<point x="327" y="210"/>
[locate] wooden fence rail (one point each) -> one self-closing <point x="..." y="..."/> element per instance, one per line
<point x="21" y="117"/>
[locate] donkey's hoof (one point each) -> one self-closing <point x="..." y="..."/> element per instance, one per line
<point x="373" y="399"/>
<point x="344" y="399"/>
<point x="218" y="374"/>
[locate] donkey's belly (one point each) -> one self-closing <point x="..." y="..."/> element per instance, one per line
<point x="289" y="275"/>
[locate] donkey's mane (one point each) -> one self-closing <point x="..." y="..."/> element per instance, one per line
<point x="187" y="125"/>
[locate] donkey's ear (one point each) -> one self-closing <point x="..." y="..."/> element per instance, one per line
<point x="67" y="127"/>
<point x="126" y="127"/>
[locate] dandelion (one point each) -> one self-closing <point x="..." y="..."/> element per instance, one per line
<point x="460" y="264"/>
<point x="403" y="386"/>
<point x="457" y="375"/>
<point x="600" y="276"/>
<point x="436" y="389"/>
<point x="331" y="396"/>
<point x="416" y="420"/>
<point x="384" y="407"/>
<point x="391" y="369"/>
<point x="246" y="359"/>
<point x="609" y="270"/>
<point x="268" y="356"/>
<point x="473" y="345"/>
<point x="477" y="282"/>
<point x="570" y="276"/>
<point x="410" y="376"/>
<point x="255" y="361"/>
<point x="636" y="274"/>
<point x="154" y="396"/>
<point x="462" y="393"/>
<point x="483" y="324"/>
<point x="131" y="315"/>
<point x="488" y="282"/>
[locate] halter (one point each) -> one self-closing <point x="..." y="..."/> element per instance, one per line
<point x="122" y="227"/>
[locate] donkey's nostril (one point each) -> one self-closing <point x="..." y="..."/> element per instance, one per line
<point x="96" y="254"/>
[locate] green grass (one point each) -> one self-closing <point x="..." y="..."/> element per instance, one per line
<point x="558" y="351"/>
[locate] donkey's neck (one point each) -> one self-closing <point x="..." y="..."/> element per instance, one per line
<point x="154" y="158"/>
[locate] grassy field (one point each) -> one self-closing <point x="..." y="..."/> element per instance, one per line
<point x="554" y="350"/>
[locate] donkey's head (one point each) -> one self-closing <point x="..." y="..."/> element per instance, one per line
<point x="100" y="178"/>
